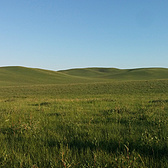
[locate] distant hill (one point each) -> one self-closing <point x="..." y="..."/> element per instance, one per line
<point x="120" y="74"/>
<point x="15" y="75"/>
<point x="23" y="76"/>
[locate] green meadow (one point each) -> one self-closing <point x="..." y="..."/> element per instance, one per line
<point x="83" y="118"/>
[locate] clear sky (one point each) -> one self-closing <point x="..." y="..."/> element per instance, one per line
<point x="63" y="34"/>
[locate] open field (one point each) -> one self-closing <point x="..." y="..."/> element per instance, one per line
<point x="64" y="119"/>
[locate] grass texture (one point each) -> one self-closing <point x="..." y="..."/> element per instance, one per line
<point x="110" y="123"/>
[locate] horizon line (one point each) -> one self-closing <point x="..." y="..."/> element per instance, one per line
<point x="88" y="67"/>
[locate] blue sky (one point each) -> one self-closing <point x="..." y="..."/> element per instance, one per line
<point x="63" y="34"/>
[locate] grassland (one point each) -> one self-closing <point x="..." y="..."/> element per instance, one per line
<point x="18" y="76"/>
<point x="82" y="121"/>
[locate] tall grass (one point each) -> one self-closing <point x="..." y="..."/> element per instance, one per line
<point x="118" y="124"/>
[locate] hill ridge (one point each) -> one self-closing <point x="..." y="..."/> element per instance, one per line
<point x="19" y="75"/>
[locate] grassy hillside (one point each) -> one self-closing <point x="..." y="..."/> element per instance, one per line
<point x="120" y="74"/>
<point x="21" y="75"/>
<point x="81" y="121"/>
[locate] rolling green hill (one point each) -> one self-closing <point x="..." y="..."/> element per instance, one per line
<point x="91" y="117"/>
<point x="120" y="74"/>
<point x="21" y="75"/>
<point x="15" y="75"/>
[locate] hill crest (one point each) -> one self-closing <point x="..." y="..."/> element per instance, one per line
<point x="18" y="75"/>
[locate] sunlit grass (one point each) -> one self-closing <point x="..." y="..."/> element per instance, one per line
<point x="117" y="124"/>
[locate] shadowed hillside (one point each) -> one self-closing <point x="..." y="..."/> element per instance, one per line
<point x="21" y="75"/>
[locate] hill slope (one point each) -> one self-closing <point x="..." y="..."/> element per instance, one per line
<point x="21" y="75"/>
<point x="120" y="74"/>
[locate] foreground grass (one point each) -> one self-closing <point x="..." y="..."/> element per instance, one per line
<point x="118" y="124"/>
